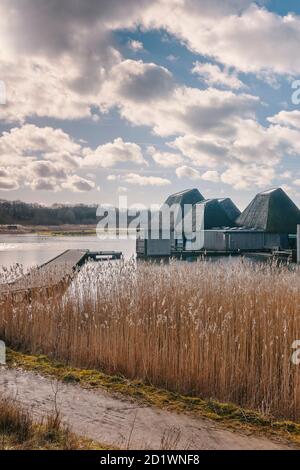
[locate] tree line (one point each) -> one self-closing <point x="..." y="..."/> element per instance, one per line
<point x="21" y="213"/>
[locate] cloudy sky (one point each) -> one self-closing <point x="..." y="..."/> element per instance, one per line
<point x="148" y="97"/>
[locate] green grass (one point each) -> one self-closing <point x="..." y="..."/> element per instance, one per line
<point x="227" y="414"/>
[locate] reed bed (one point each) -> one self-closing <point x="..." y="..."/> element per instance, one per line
<point x="215" y="330"/>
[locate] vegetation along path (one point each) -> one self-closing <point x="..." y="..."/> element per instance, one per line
<point x="120" y="422"/>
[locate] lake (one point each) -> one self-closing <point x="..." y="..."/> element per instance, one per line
<point x="31" y="250"/>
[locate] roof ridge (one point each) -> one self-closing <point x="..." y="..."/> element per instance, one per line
<point x="269" y="212"/>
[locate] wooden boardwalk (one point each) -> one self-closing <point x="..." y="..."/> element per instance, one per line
<point x="49" y="274"/>
<point x="57" y="271"/>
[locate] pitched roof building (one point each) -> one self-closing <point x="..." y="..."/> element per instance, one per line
<point x="186" y="200"/>
<point x="272" y="211"/>
<point x="230" y="208"/>
<point x="210" y="214"/>
<point x="189" y="196"/>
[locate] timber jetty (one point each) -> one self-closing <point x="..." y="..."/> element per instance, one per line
<point x="58" y="271"/>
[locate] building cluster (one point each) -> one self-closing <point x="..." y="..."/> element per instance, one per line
<point x="269" y="223"/>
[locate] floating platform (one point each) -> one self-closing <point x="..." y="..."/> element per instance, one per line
<point x="284" y="256"/>
<point x="104" y="255"/>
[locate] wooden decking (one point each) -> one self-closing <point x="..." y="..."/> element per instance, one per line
<point x="56" y="271"/>
<point x="49" y="274"/>
<point x="104" y="255"/>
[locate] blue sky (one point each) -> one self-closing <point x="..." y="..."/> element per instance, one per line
<point x="146" y="98"/>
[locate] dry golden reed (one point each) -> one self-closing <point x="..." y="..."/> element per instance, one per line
<point x="215" y="330"/>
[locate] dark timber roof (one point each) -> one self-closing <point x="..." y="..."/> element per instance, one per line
<point x="214" y="216"/>
<point x="230" y="208"/>
<point x="272" y="211"/>
<point x="190" y="196"/>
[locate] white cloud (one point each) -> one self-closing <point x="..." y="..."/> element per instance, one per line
<point x="188" y="172"/>
<point x="212" y="176"/>
<point x="202" y="152"/>
<point x="46" y="169"/>
<point x="135" y="46"/>
<point x="7" y="181"/>
<point x="165" y="159"/>
<point x="43" y="89"/>
<point x="113" y="177"/>
<point x="248" y="176"/>
<point x="41" y="158"/>
<point x="213" y="75"/>
<point x="77" y="184"/>
<point x="286" y="175"/>
<point x="250" y="143"/>
<point x="292" y="192"/>
<point x="48" y="159"/>
<point x="287" y="118"/>
<point x="172" y="58"/>
<point x="193" y="174"/>
<point x="43" y="185"/>
<point x="240" y="35"/>
<point x="8" y="185"/>
<point x="139" y="180"/>
<point x="30" y="140"/>
<point x="138" y="82"/>
<point x="67" y="52"/>
<point x="147" y="96"/>
<point x="64" y="50"/>
<point x="111" y="154"/>
<point x="71" y="69"/>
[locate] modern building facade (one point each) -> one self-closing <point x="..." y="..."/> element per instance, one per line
<point x="217" y="225"/>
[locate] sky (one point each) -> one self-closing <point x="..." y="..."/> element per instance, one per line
<point x="144" y="98"/>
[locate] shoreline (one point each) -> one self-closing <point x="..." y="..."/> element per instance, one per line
<point x="49" y="230"/>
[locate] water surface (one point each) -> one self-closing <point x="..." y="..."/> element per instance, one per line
<point x="31" y="250"/>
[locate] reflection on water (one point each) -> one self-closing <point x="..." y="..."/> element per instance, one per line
<point x="31" y="250"/>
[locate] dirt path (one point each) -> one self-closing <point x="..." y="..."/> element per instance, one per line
<point x="119" y="422"/>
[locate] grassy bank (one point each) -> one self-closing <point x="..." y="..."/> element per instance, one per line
<point x="209" y="330"/>
<point x="50" y="231"/>
<point x="227" y="414"/>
